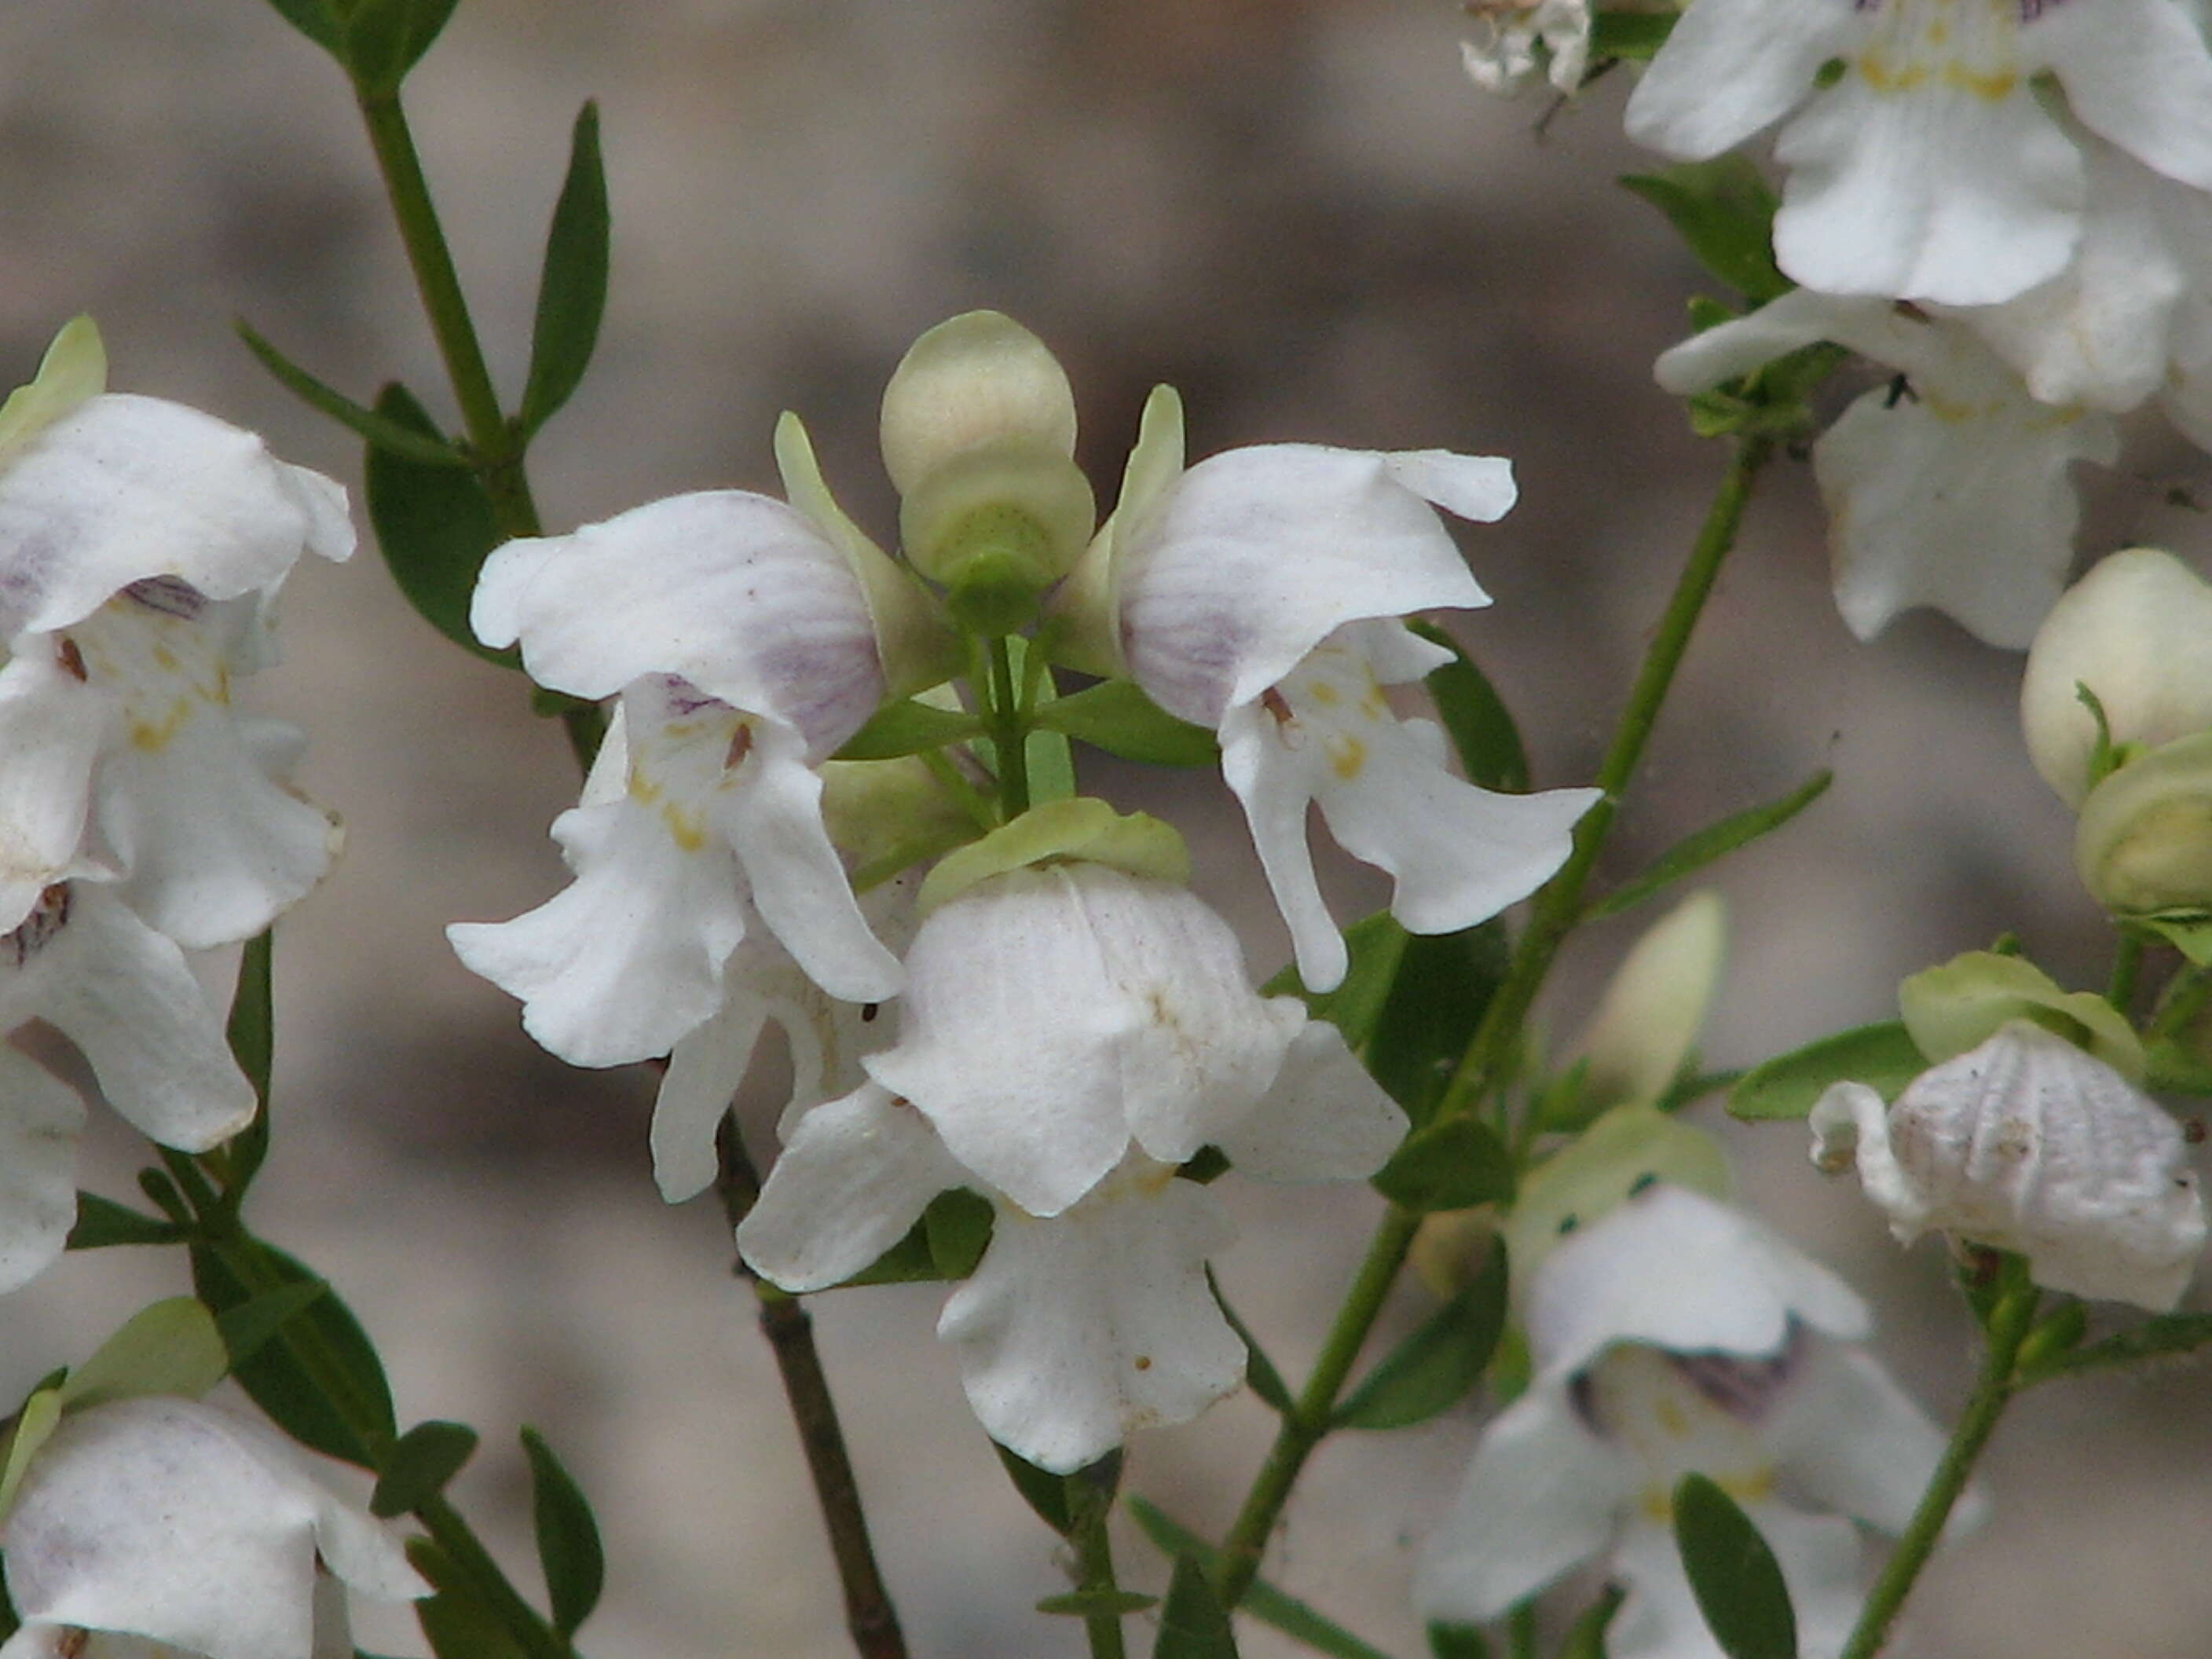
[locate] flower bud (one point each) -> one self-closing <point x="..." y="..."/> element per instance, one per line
<point x="2137" y="632"/>
<point x="2144" y="841"/>
<point x="1651" y="1013"/>
<point x="977" y="379"/>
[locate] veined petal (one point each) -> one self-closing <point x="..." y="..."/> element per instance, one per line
<point x="1541" y="1496"/>
<point x="854" y="1174"/>
<point x="1942" y="194"/>
<point x="1253" y="557"/>
<point x="39" y="1121"/>
<point x="737" y="594"/>
<point x="1325" y="1120"/>
<point x="1076" y="1332"/>
<point x="123" y="488"/>
<point x="51" y="724"/>
<point x="2138" y="72"/>
<point x="121" y="992"/>
<point x="1731" y="67"/>
<point x="1850" y="1438"/>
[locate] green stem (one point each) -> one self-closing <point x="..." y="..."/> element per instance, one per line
<point x="2127" y="969"/>
<point x="2181" y="1001"/>
<point x="2008" y="1327"/>
<point x="1009" y="740"/>
<point x="1094" y="1559"/>
<point x="870" y="1617"/>
<point x="1559" y="905"/>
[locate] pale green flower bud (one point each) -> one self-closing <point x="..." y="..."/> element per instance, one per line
<point x="2144" y="841"/>
<point x="1623" y="1152"/>
<point x="1959" y="1005"/>
<point x="1653" y="1011"/>
<point x="2137" y="632"/>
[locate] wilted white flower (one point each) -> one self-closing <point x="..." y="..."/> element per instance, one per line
<point x="2029" y="1145"/>
<point x="1675" y="1335"/>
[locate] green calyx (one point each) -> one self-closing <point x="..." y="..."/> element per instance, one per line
<point x="74" y="369"/>
<point x="2144" y="841"/>
<point x="1955" y="1008"/>
<point x="996" y="526"/>
<point x="1082" y="830"/>
<point x="1618" y="1155"/>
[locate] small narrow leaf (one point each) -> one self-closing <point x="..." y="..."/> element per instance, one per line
<point x="2166" y="1336"/>
<point x="1880" y="1056"/>
<point x="1263" y="1600"/>
<point x="251" y="1032"/>
<point x="1194" y="1624"/>
<point x="572" y="287"/>
<point x="1453" y="1164"/>
<point x="421" y="1462"/>
<point x="1724" y="210"/>
<point x="567" y="1537"/>
<point x="907" y="727"/>
<point x="1480" y="725"/>
<point x="253" y="1323"/>
<point x="1443" y="982"/>
<point x="101" y="1222"/>
<point x="434" y="526"/>
<point x="957" y="1225"/>
<point x="1692" y="853"/>
<point x="427" y="449"/>
<point x="1096" y="1603"/>
<point x="1457" y="1642"/>
<point x="1117" y="717"/>
<point x="459" y="1628"/>
<point x="1434" y="1369"/>
<point x="1259" y="1371"/>
<point x="1637" y="35"/>
<point x="1042" y="1491"/>
<point x="1732" y="1572"/>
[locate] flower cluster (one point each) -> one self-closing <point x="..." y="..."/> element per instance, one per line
<point x="1045" y="1016"/>
<point x="141" y="545"/>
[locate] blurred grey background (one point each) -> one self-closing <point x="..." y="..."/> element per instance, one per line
<point x="1300" y="213"/>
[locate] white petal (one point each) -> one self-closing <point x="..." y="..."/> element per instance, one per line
<point x="1733" y="347"/>
<point x="738" y="594"/>
<point x="123" y="994"/>
<point x="1076" y="1332"/>
<point x="1675" y="1269"/>
<point x="629" y="959"/>
<point x="1938" y="193"/>
<point x="1732" y="66"/>
<point x="1274" y="789"/>
<point x="1476" y="486"/>
<point x="1325" y="1120"/>
<point x="1851" y="1440"/>
<point x="1255" y="556"/>
<point x="704" y="1070"/>
<point x="1541" y="1496"/>
<point x="51" y="724"/>
<point x="856" y="1174"/>
<point x="123" y="488"/>
<point x="2138" y="72"/>
<point x="39" y="1121"/>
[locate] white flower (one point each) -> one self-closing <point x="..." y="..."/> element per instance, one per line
<point x="167" y="1520"/>
<point x="141" y="542"/>
<point x="1675" y="1335"/>
<point x="1505" y="54"/>
<point x="86" y="964"/>
<point x="1930" y="170"/>
<point x="2028" y="1144"/>
<point x="1257" y="595"/>
<point x="1950" y="490"/>
<point x="748" y="641"/>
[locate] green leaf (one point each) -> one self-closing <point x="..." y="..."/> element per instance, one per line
<point x="1453" y="1164"/>
<point x="907" y="727"/>
<point x="1694" y="853"/>
<point x="421" y="1462"/>
<point x="957" y="1225"/>
<point x="1377" y="944"/>
<point x="1443" y="982"/>
<point x="434" y="526"/>
<point x="1632" y="34"/>
<point x="458" y="1627"/>
<point x="251" y="1325"/>
<point x="1724" y="210"/>
<point x="567" y="1537"/>
<point x="1094" y="1603"/>
<point x="1116" y="716"/>
<point x="1194" y="1624"/>
<point x="101" y="1222"/>
<point x="2166" y="1336"/>
<point x="315" y="19"/>
<point x="251" y="1031"/>
<point x="1434" y="1369"/>
<point x="1263" y="1600"/>
<point x="1880" y="1056"/>
<point x="171" y="1346"/>
<point x="425" y="448"/>
<point x="1042" y="1491"/>
<point x="1733" y="1573"/>
<point x="572" y="288"/>
<point x="322" y="1344"/>
<point x="907" y="1262"/>
<point x="1480" y="725"/>
<point x="1585" y="1637"/>
<point x="383" y="39"/>
<point x="1457" y="1642"/>
<point x="1259" y="1371"/>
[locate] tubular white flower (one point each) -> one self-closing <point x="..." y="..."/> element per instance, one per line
<point x="744" y="650"/>
<point x="1950" y="491"/>
<point x="1504" y="54"/>
<point x="1256" y="595"/>
<point x="164" y="1519"/>
<point x="85" y="964"/>
<point x="2029" y="1145"/>
<point x="1674" y="1335"/>
<point x="1929" y="170"/>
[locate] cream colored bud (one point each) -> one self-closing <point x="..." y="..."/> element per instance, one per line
<point x="1653" y="1011"/>
<point x="2137" y="631"/>
<point x="2144" y="842"/>
<point x="978" y="379"/>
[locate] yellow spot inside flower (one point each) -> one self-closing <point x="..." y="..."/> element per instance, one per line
<point x="155" y="735"/>
<point x="643" y="790"/>
<point x="684" y="829"/>
<point x="1670" y="1418"/>
<point x="1916" y="44"/>
<point x="1322" y="692"/>
<point x="1347" y="758"/>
